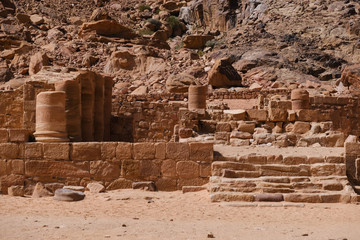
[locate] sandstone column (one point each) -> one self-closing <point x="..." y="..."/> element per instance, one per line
<point x="300" y="99"/>
<point x="108" y="84"/>
<point x="197" y="97"/>
<point x="72" y="107"/>
<point x="50" y="117"/>
<point x="99" y="109"/>
<point x="87" y="107"/>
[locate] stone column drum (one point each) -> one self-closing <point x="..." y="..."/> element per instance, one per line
<point x="72" y="107"/>
<point x="99" y="109"/>
<point x="50" y="117"/>
<point x="300" y="99"/>
<point x="87" y="108"/>
<point x="107" y="106"/>
<point x="197" y="97"/>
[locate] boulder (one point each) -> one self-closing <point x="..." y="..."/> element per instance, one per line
<point x="37" y="61"/>
<point x="196" y="41"/>
<point x="108" y="28"/>
<point x="223" y="74"/>
<point x="350" y="76"/>
<point x="120" y="60"/>
<point x="41" y="191"/>
<point x="37" y="19"/>
<point x="179" y="83"/>
<point x="68" y="195"/>
<point x="16" y="191"/>
<point x="142" y="90"/>
<point x="75" y="188"/>
<point x="147" y="186"/>
<point x="95" y="187"/>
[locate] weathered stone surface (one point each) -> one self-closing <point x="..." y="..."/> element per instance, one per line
<point x="9" y="150"/>
<point x="179" y="83"/>
<point x="103" y="170"/>
<point x="18" y="135"/>
<point x="301" y="127"/>
<point x="351" y="76"/>
<point x="143" y="151"/>
<point x="108" y="150"/>
<point x="124" y="150"/>
<point x="120" y="183"/>
<point x="166" y="184"/>
<point x="40" y="191"/>
<point x="196" y="41"/>
<point x="16" y="191"/>
<point x="130" y="168"/>
<point x="201" y="151"/>
<point x="295" y="160"/>
<point x="187" y="189"/>
<point x="147" y="186"/>
<point x="56" y="151"/>
<point x="75" y="188"/>
<point x="223" y="74"/>
<point x="160" y="150"/>
<point x="269" y="197"/>
<point x="223" y="127"/>
<point x="168" y="168"/>
<point x="308" y="198"/>
<point x="15" y="166"/>
<point x="86" y="151"/>
<point x="95" y="187"/>
<point x="177" y="151"/>
<point x="108" y="28"/>
<point x="257" y="114"/>
<point x="68" y="195"/>
<point x="45" y="168"/>
<point x="37" y="61"/>
<point x="33" y="150"/>
<point x="120" y="60"/>
<point x="187" y="169"/>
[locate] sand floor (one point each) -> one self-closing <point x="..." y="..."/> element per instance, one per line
<point x="136" y="214"/>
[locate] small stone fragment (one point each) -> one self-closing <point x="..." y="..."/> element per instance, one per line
<point x="68" y="195"/>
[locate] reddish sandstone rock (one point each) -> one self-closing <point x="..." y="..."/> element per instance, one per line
<point x="196" y="41"/>
<point x="351" y="76"/>
<point x="223" y="74"/>
<point x="108" y="28"/>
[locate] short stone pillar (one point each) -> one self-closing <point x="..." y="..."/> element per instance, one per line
<point x="72" y="107"/>
<point x="300" y="99"/>
<point x="87" y="109"/>
<point x="50" y="117"/>
<point x="197" y="97"/>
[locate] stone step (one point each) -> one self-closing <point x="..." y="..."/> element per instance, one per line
<point x="287" y="197"/>
<point x="240" y="174"/>
<point x="217" y="167"/>
<point x="233" y="189"/>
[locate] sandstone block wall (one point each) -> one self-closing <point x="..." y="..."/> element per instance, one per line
<point x="116" y="164"/>
<point x="352" y="159"/>
<point x="11" y="109"/>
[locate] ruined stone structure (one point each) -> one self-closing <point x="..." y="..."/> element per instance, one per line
<point x="166" y="140"/>
<point x="50" y="117"/>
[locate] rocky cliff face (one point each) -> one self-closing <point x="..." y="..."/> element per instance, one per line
<point x="297" y="43"/>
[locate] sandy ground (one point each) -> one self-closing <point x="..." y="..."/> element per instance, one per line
<point x="136" y="214"/>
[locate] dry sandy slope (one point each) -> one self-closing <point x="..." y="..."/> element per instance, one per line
<point x="171" y="215"/>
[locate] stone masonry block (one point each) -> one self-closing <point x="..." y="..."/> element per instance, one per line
<point x="89" y="151"/>
<point x="177" y="151"/>
<point x="301" y="127"/>
<point x="130" y="168"/>
<point x="150" y="170"/>
<point x="56" y="151"/>
<point x="307" y="115"/>
<point x="201" y="151"/>
<point x="223" y="127"/>
<point x="9" y="150"/>
<point x="144" y="151"/>
<point x="352" y="148"/>
<point x="168" y="168"/>
<point x="187" y="169"/>
<point x="4" y="136"/>
<point x="18" y="135"/>
<point x="3" y="167"/>
<point x="166" y="184"/>
<point x="34" y="150"/>
<point x="257" y="114"/>
<point x="205" y="169"/>
<point x="295" y="160"/>
<point x="160" y="151"/>
<point x="62" y="169"/>
<point x="103" y="170"/>
<point x="124" y="150"/>
<point x="108" y="150"/>
<point x="192" y="182"/>
<point x="15" y="167"/>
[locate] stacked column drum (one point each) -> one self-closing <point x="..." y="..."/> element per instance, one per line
<point x="197" y="97"/>
<point x="300" y="99"/>
<point x="87" y="107"/>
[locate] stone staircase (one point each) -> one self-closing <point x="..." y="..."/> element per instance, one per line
<point x="256" y="177"/>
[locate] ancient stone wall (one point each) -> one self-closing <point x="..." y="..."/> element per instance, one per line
<point x="116" y="164"/>
<point x="352" y="159"/>
<point x="11" y="109"/>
